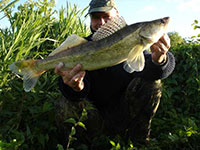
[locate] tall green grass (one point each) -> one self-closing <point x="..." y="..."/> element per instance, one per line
<point x="27" y="120"/>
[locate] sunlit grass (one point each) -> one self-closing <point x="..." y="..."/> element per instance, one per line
<point x="35" y="30"/>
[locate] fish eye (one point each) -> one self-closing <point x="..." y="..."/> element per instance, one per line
<point x="162" y="21"/>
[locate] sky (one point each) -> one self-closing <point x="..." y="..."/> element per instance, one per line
<point x="182" y="12"/>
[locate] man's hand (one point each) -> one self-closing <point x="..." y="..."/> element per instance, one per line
<point x="72" y="77"/>
<point x="160" y="49"/>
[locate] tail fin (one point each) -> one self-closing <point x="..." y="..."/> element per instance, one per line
<point x="27" y="70"/>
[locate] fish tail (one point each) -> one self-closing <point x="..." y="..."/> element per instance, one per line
<point x="26" y="69"/>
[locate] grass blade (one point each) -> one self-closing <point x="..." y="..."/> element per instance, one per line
<point x="9" y="5"/>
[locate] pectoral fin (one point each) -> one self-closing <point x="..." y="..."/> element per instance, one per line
<point x="135" y="61"/>
<point x="72" y="41"/>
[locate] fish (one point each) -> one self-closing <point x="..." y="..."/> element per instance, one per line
<point x="113" y="43"/>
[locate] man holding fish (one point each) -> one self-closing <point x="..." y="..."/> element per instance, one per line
<point x="125" y="101"/>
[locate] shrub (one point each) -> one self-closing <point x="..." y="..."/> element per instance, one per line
<point x="176" y="125"/>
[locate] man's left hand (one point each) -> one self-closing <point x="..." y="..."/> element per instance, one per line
<point x="159" y="49"/>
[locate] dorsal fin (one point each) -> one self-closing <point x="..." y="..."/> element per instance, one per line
<point x="71" y="41"/>
<point x="113" y="25"/>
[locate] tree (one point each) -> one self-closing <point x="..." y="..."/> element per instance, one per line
<point x="196" y="26"/>
<point x="176" y="39"/>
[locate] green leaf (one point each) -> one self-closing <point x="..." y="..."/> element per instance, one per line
<point x="46" y="107"/>
<point x="70" y="120"/>
<point x="118" y="146"/>
<point x="73" y="138"/>
<point x="81" y="125"/>
<point x="196" y="27"/>
<point x="196" y="21"/>
<point x="112" y="143"/>
<point x="131" y="146"/>
<point x="84" y="113"/>
<point x="73" y="131"/>
<point x="60" y="147"/>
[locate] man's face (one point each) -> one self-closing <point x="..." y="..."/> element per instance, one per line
<point x="100" y="18"/>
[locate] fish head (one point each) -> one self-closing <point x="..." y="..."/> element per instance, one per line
<point x="152" y="31"/>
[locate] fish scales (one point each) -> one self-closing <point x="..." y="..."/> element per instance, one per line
<point x="126" y="44"/>
<point x="97" y="52"/>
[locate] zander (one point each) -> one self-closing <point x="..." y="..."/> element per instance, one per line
<point x="113" y="43"/>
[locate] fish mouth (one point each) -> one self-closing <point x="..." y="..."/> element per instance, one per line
<point x="165" y="20"/>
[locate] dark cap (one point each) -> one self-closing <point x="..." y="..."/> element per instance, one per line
<point x="101" y="6"/>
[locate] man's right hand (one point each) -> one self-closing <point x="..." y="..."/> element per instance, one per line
<point x="72" y="77"/>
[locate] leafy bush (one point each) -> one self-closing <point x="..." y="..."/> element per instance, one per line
<point x="176" y="39"/>
<point x="176" y="125"/>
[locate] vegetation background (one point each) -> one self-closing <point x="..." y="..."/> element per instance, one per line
<point x="27" y="120"/>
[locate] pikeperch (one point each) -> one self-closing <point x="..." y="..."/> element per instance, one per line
<point x="113" y="43"/>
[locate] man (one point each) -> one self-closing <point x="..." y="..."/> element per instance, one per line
<point x="124" y="102"/>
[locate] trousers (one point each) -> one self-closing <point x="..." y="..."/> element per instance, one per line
<point x="129" y="118"/>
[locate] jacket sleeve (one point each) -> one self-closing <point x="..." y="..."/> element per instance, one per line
<point x="70" y="94"/>
<point x="154" y="71"/>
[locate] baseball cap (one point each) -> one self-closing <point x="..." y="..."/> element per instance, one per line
<point x="101" y="6"/>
